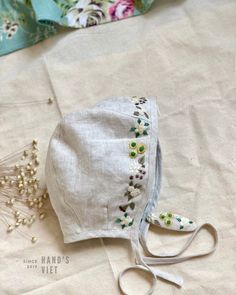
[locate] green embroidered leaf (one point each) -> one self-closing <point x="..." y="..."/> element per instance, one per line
<point x="145" y="132"/>
<point x="130" y="197"/>
<point x="141" y="160"/>
<point x="136" y="113"/>
<point x="132" y="129"/>
<point x="181" y="227"/>
<point x="118" y="220"/>
<point x="131" y="222"/>
<point x="137" y="185"/>
<point x="146" y="115"/>
<point x="137" y="134"/>
<point x="123" y="208"/>
<point x="126" y="214"/>
<point x="123" y="226"/>
<point x="139" y="121"/>
<point x="132" y="206"/>
<point x="146" y="124"/>
<point x="126" y="194"/>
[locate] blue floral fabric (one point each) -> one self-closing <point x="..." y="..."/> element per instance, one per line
<point x="26" y="22"/>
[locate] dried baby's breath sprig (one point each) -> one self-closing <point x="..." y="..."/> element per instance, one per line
<point x="22" y="200"/>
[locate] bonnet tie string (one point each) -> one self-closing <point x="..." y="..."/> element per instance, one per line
<point x="156" y="272"/>
<point x="141" y="265"/>
<point x="171" y="258"/>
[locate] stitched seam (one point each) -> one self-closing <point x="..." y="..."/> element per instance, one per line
<point x="63" y="193"/>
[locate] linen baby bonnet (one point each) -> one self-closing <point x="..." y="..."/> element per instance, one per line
<point x="103" y="174"/>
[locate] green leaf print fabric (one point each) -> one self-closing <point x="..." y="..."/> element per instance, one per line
<point x="26" y="22"/>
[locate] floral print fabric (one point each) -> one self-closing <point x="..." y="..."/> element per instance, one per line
<point x="18" y="27"/>
<point x="26" y="22"/>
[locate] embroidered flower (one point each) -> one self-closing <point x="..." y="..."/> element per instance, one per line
<point x="168" y="221"/>
<point x="135" y="167"/>
<point x="141" y="148"/>
<point x="138" y="100"/>
<point x="121" y="9"/>
<point x="132" y="144"/>
<point x="142" y="100"/>
<point x="125" y="220"/>
<point x="134" y="192"/>
<point x="167" y="218"/>
<point x="134" y="99"/>
<point x="140" y="128"/>
<point x="136" y="149"/>
<point x="85" y="13"/>
<point x="138" y="168"/>
<point x="133" y="154"/>
<point x="172" y="221"/>
<point x="184" y="222"/>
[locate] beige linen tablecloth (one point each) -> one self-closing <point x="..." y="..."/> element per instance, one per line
<point x="182" y="52"/>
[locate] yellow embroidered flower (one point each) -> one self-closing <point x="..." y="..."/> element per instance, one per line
<point x="133" y="154"/>
<point x="169" y="214"/>
<point x="132" y="144"/>
<point x="136" y="148"/>
<point x="167" y="218"/>
<point x="162" y="216"/>
<point x="168" y="221"/>
<point x="141" y="148"/>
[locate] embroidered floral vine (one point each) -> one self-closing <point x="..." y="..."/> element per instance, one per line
<point x="137" y="168"/>
<point x="172" y="221"/>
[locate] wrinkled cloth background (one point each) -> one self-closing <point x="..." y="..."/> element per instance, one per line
<point x="184" y="53"/>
